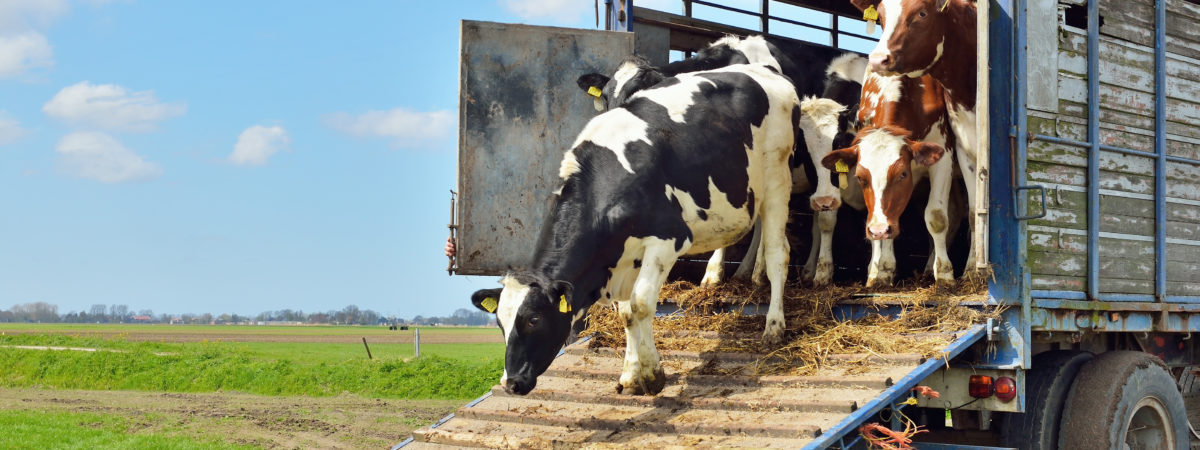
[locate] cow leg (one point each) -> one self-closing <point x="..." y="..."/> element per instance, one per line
<point x="882" y="269"/>
<point x="941" y="176"/>
<point x="757" y="275"/>
<point x="827" y="221"/>
<point x="966" y="163"/>
<point x="715" y="269"/>
<point x="776" y="249"/>
<point x="642" y="373"/>
<point x="810" y="265"/>
<point x="749" y="263"/>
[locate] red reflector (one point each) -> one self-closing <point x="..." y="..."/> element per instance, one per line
<point x="980" y="386"/>
<point x="1006" y="389"/>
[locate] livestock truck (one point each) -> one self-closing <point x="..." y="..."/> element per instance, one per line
<point x="1089" y="136"/>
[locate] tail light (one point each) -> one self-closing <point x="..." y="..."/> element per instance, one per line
<point x="983" y="386"/>
<point x="980" y="386"/>
<point x="1005" y="388"/>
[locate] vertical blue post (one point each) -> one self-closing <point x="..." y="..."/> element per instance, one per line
<point x="1004" y="229"/>
<point x="1093" y="136"/>
<point x="1160" y="148"/>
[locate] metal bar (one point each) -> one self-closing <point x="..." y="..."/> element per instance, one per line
<point x="797" y="23"/>
<point x="1086" y="305"/>
<point x="1062" y="295"/>
<point x="833" y="30"/>
<point x="1182" y="299"/>
<point x="727" y="8"/>
<point x="765" y="16"/>
<point x="1020" y="92"/>
<point x="1093" y="134"/>
<point x="1160" y="147"/>
<point x="1076" y="295"/>
<point x="888" y="396"/>
<point x="1180" y="159"/>
<point x="1081" y="144"/>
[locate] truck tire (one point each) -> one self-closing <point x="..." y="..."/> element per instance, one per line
<point x="1124" y="399"/>
<point x="1046" y="386"/>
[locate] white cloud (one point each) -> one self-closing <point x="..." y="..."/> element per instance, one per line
<point x="97" y="156"/>
<point x="110" y="107"/>
<point x="559" y="10"/>
<point x="256" y="145"/>
<point x="404" y="127"/>
<point x="10" y="129"/>
<point x="22" y="52"/>
<point x="18" y="16"/>
<point x="23" y="47"/>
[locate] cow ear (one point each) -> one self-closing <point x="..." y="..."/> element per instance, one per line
<point x="486" y="299"/>
<point x="848" y="156"/>
<point x="591" y="80"/>
<point x="926" y="153"/>
<point x="560" y="294"/>
<point x="864" y="4"/>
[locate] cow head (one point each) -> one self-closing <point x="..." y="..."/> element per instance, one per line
<point x="819" y="120"/>
<point x="536" y="317"/>
<point x="632" y="76"/>
<point x="884" y="158"/>
<point x="914" y="32"/>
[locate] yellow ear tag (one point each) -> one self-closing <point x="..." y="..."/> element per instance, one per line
<point x="489" y="304"/>
<point x="871" y="16"/>
<point x="563" y="306"/>
<point x="594" y="91"/>
<point x="842" y="169"/>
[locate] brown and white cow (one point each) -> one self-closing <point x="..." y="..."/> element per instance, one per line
<point x="935" y="38"/>
<point x="904" y="141"/>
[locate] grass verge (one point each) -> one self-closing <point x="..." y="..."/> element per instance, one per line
<point x="257" y="369"/>
<point x="56" y="429"/>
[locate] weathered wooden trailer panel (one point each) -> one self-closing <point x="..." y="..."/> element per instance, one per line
<point x="1058" y="102"/>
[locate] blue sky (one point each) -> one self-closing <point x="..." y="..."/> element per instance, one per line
<point x="236" y="156"/>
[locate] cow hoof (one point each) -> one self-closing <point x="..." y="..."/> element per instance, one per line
<point x="773" y="334"/>
<point x="944" y="282"/>
<point x="824" y="275"/>
<point x="710" y="280"/>
<point x="879" y="281"/>
<point x="650" y="385"/>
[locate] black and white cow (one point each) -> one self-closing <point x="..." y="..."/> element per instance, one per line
<point x="829" y="123"/>
<point x="831" y="78"/>
<point x="686" y="166"/>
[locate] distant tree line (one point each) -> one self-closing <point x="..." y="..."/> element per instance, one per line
<point x="462" y="316"/>
<point x="41" y="312"/>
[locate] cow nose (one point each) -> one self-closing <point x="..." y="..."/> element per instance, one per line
<point x="824" y="203"/>
<point x="879" y="231"/>
<point x="880" y="62"/>
<point x="518" y="386"/>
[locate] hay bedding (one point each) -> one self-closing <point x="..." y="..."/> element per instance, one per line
<point x="813" y="335"/>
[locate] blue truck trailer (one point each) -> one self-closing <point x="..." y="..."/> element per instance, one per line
<point x="1090" y="220"/>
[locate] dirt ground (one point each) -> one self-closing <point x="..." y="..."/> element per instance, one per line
<point x="269" y="422"/>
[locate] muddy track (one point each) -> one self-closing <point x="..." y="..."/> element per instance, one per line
<point x="269" y="422"/>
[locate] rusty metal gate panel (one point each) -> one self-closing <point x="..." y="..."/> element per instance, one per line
<point x="519" y="110"/>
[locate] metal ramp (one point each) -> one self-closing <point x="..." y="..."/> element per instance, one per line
<point x="576" y="404"/>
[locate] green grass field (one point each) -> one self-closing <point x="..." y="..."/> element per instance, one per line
<point x="46" y="429"/>
<point x="265" y="330"/>
<point x="444" y="370"/>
